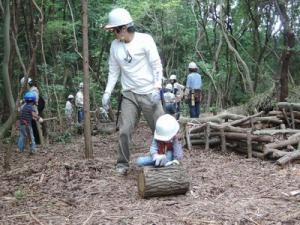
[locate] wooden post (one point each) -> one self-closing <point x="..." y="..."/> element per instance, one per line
<point x="162" y="181"/>
<point x="223" y="140"/>
<point x="292" y="116"/>
<point x="207" y="134"/>
<point x="188" y="138"/>
<point x="249" y="144"/>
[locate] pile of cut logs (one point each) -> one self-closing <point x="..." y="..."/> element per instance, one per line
<point x="273" y="135"/>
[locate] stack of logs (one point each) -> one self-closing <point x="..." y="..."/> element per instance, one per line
<point x="273" y="135"/>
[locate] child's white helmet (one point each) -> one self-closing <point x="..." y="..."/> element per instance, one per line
<point x="166" y="128"/>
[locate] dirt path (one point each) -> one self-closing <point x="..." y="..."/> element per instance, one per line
<point x="56" y="186"/>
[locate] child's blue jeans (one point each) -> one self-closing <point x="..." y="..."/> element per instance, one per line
<point x="23" y="137"/>
<point x="148" y="161"/>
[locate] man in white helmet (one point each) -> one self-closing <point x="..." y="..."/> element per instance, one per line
<point x="79" y="103"/>
<point x="193" y="90"/>
<point x="165" y="149"/>
<point x="177" y="90"/>
<point x="69" y="110"/>
<point x="135" y="58"/>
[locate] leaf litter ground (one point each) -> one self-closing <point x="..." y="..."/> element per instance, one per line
<point x="57" y="186"/>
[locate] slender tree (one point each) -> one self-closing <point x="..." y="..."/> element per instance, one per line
<point x="86" y="97"/>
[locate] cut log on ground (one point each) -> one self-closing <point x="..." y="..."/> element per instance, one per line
<point x="290" y="156"/>
<point x="162" y="181"/>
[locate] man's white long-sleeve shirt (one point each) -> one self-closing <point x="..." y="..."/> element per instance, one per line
<point x="79" y="99"/>
<point x="138" y="62"/>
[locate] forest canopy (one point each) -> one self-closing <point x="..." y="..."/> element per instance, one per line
<point x="243" y="48"/>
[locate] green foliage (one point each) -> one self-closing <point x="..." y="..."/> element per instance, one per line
<point x="63" y="138"/>
<point x="20" y="194"/>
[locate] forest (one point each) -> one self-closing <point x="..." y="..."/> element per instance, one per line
<point x="248" y="56"/>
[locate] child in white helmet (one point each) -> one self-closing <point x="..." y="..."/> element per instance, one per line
<point x="165" y="149"/>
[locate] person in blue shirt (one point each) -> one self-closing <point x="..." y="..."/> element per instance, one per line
<point x="193" y="90"/>
<point x="27" y="115"/>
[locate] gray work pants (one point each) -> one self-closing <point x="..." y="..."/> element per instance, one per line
<point x="131" y="108"/>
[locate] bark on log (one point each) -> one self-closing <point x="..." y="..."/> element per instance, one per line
<point x="162" y="181"/>
<point x="279" y="114"/>
<point x="217" y="119"/>
<point x="238" y="136"/>
<point x="290" y="156"/>
<point x="240" y="121"/>
<point x="275" y="131"/>
<point x="212" y="141"/>
<point x="274" y="153"/>
<point x="244" y="151"/>
<point x="294" y="139"/>
<point x="227" y="127"/>
<point x="287" y="105"/>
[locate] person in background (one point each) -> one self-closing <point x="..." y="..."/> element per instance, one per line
<point x="79" y="104"/>
<point x="193" y="90"/>
<point x="38" y="106"/>
<point x="27" y="115"/>
<point x="169" y="100"/>
<point x="135" y="58"/>
<point x="165" y="149"/>
<point x="177" y="90"/>
<point x="69" y="110"/>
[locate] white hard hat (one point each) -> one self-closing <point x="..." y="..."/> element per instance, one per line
<point x="173" y="77"/>
<point x="192" y="65"/>
<point x="70" y="96"/>
<point x="22" y="81"/>
<point x="80" y="85"/>
<point x="118" y="17"/>
<point x="169" y="86"/>
<point x="166" y="128"/>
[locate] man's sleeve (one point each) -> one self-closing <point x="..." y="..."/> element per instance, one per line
<point x="114" y="72"/>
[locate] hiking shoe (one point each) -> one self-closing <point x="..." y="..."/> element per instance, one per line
<point x="122" y="169"/>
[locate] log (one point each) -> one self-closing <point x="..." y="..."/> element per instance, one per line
<point x="240" y="121"/>
<point x="279" y="114"/>
<point x="294" y="139"/>
<point x="287" y="105"/>
<point x="238" y="136"/>
<point x="275" y="131"/>
<point x="290" y="156"/>
<point x="162" y="181"/>
<point x="227" y="127"/>
<point x="217" y="119"/>
<point x="274" y="153"/>
<point x="244" y="151"/>
<point x="212" y="141"/>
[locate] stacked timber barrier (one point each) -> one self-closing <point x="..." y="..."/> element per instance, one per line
<point x="271" y="135"/>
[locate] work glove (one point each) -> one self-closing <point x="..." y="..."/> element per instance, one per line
<point x="155" y="97"/>
<point x="173" y="162"/>
<point x="41" y="120"/>
<point x="160" y="159"/>
<point x="105" y="101"/>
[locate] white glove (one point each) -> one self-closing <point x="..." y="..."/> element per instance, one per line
<point x="160" y="159"/>
<point x="41" y="120"/>
<point x="173" y="162"/>
<point x="155" y="98"/>
<point x="105" y="101"/>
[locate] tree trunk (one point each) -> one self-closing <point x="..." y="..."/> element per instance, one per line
<point x="5" y="62"/>
<point x="288" y="42"/>
<point x="86" y="98"/>
<point x="162" y="181"/>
